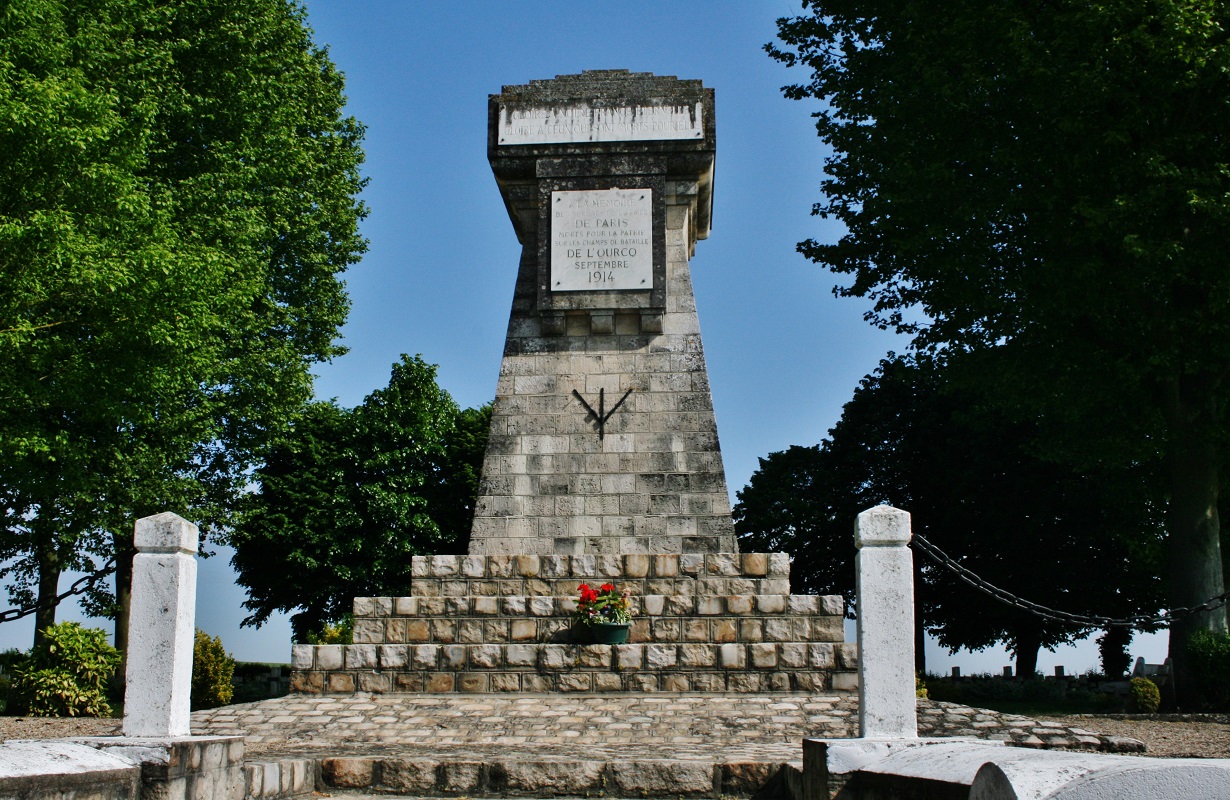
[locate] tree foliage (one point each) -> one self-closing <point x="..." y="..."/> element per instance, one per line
<point x="973" y="488"/>
<point x="347" y="496"/>
<point x="177" y="200"/>
<point x="1038" y="194"/>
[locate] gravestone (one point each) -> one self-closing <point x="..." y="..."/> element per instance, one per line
<point x="603" y="438"/>
<point x="603" y="464"/>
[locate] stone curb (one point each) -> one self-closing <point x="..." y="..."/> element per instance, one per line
<point x="528" y="776"/>
<point x="280" y="779"/>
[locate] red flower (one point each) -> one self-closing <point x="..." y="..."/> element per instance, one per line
<point x="606" y="587"/>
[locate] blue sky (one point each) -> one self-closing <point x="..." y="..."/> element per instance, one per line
<point x="783" y="353"/>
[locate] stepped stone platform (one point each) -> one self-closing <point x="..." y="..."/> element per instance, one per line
<point x="704" y="622"/>
<point x="620" y="745"/>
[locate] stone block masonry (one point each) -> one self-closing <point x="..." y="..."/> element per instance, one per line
<point x="603" y="463"/>
<point x="603" y="438"/>
<point x="717" y="622"/>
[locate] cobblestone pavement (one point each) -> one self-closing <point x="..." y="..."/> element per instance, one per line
<point x="684" y="726"/>
<point x="627" y="745"/>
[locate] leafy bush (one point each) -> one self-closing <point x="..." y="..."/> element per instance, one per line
<point x="1208" y="658"/>
<point x="1145" y="696"/>
<point x="66" y="674"/>
<point x="920" y="687"/>
<point x="341" y="633"/>
<point x="212" y="673"/>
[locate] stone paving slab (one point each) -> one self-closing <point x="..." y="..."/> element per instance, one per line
<point x="688" y="722"/>
<point x="526" y="746"/>
<point x="542" y="721"/>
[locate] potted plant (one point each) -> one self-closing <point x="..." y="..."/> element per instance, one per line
<point x="602" y="616"/>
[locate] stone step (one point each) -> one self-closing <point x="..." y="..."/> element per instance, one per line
<point x="281" y="778"/>
<point x="537" y="667"/>
<point x="600" y="568"/>
<point x="568" y="586"/>
<point x="558" y="629"/>
<point x="527" y="775"/>
<point x="742" y="681"/>
<point x="650" y="605"/>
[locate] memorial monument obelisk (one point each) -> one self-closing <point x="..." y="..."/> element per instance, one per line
<point x="603" y="438"/>
<point x="603" y="464"/>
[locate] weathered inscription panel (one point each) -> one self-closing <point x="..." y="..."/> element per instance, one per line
<point x="584" y="123"/>
<point x="602" y="239"/>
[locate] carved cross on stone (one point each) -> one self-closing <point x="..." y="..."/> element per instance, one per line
<point x="601" y="414"/>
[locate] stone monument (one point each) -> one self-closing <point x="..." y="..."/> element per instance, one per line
<point x="603" y="439"/>
<point x="603" y="464"/>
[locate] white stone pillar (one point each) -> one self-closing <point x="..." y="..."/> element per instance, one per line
<point x="885" y="586"/>
<point x="161" y="628"/>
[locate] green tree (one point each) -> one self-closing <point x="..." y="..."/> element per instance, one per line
<point x="973" y="489"/>
<point x="1038" y="194"/>
<point x="347" y="496"/>
<point x="177" y="201"/>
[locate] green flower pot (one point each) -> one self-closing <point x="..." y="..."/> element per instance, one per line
<point x="604" y="633"/>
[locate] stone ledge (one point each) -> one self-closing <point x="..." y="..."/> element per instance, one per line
<point x="979" y="768"/>
<point x="669" y="565"/>
<point x="567" y="587"/>
<point x="281" y="779"/>
<point x="525" y="775"/>
<point x="55" y="769"/>
<point x="558" y="630"/>
<point x="715" y="679"/>
<point x="548" y="657"/>
<point x="546" y="604"/>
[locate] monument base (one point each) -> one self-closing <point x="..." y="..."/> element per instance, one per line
<point x="717" y="622"/>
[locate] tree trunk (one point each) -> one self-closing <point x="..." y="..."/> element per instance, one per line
<point x="1113" y="649"/>
<point x="124" y="553"/>
<point x="48" y="587"/>
<point x="1193" y="530"/>
<point x="123" y="590"/>
<point x="1025" y="647"/>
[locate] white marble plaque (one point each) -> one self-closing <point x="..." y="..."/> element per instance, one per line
<point x="602" y="239"/>
<point x="583" y="123"/>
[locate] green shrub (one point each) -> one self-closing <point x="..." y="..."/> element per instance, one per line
<point x="920" y="687"/>
<point x="1208" y="663"/>
<point x="66" y="674"/>
<point x="1145" y="696"/>
<point x="212" y="673"/>
<point x="341" y="633"/>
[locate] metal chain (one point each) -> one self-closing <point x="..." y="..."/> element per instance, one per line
<point x="79" y="586"/>
<point x="1140" y="621"/>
